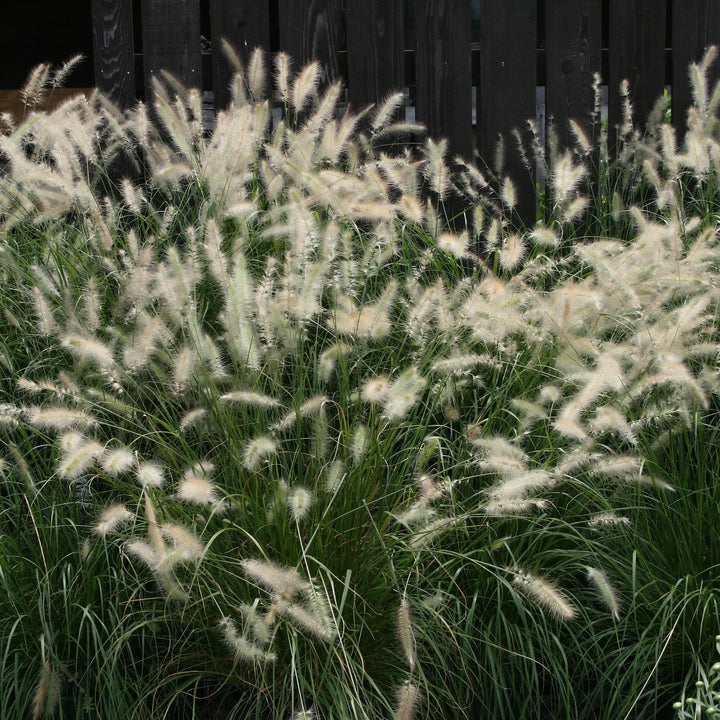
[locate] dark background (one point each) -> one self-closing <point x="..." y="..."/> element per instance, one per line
<point x="35" y="31"/>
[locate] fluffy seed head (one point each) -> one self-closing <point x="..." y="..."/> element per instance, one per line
<point x="77" y="459"/>
<point x="258" y="450"/>
<point x="517" y="485"/>
<point x="111" y="518"/>
<point x="149" y="474"/>
<point x="566" y="176"/>
<point x="305" y="85"/>
<point x="243" y="648"/>
<point x="256" y="74"/>
<point x="411" y="208"/>
<point x="374" y="389"/>
<point x="334" y="476"/>
<point x="116" y="462"/>
<point x="196" y="488"/>
<point x="608" y="519"/>
<point x="360" y="442"/>
<point x="387" y="110"/>
<point x="456" y="245"/>
<point x="308" y="714"/>
<point x="609" y="419"/>
<point x="406" y="634"/>
<point x="282" y="75"/>
<point x="59" y="418"/>
<point x="191" y="418"/>
<point x="512" y="252"/>
<point x="545" y="594"/>
<point x="328" y="361"/>
<point x="509" y="193"/>
<point x="314" y="617"/>
<point x="299" y="501"/>
<point x="33" y="93"/>
<point x="251" y="398"/>
<point x="514" y="506"/>
<point x="568" y="422"/>
<point x="408" y="698"/>
<point x="186" y="545"/>
<point x="47" y="693"/>
<point x="605" y="590"/>
<point x="286" y="582"/>
<point x="90" y="350"/>
<point x="575" y="209"/>
<point x="143" y="551"/>
<point x="402" y="393"/>
<point x="436" y="170"/>
<point x="544" y="237"/>
<point x="255" y="622"/>
<point x="185" y="362"/>
<point x="70" y="440"/>
<point x="623" y="467"/>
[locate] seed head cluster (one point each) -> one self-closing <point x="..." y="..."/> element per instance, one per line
<point x="282" y="375"/>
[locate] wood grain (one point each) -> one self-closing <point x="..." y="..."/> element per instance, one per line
<point x="171" y="40"/>
<point x="308" y="31"/>
<point x="113" y="50"/>
<point x="572" y="37"/>
<point x="507" y="95"/>
<point x="637" y="54"/>
<point x="695" y="26"/>
<point x="375" y="50"/>
<point x="245" y="24"/>
<point x="443" y="72"/>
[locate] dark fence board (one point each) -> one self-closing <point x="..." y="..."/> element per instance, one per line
<point x="442" y="72"/>
<point x="375" y="49"/>
<point x="245" y="24"/>
<point x="113" y="50"/>
<point x="695" y="26"/>
<point x="637" y="53"/>
<point x="308" y="31"/>
<point x="171" y="40"/>
<point x="506" y="65"/>
<point x="507" y="95"/>
<point x="573" y="31"/>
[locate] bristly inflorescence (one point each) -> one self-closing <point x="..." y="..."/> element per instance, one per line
<point x="281" y="377"/>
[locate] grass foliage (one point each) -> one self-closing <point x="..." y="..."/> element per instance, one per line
<point x="279" y="442"/>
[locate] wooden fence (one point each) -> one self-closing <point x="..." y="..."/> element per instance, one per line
<point x="649" y="42"/>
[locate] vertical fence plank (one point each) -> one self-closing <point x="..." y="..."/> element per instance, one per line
<point x="375" y="48"/>
<point x="308" y="31"/>
<point x="171" y="40"/>
<point x="113" y="50"/>
<point x="245" y="24"/>
<point x="443" y="72"/>
<point x="695" y="26"/>
<point x="573" y="34"/>
<point x="637" y="53"/>
<point x="507" y="95"/>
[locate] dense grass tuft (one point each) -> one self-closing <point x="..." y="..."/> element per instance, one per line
<point x="278" y="443"/>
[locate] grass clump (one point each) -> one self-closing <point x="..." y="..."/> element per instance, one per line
<point x="280" y="444"/>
